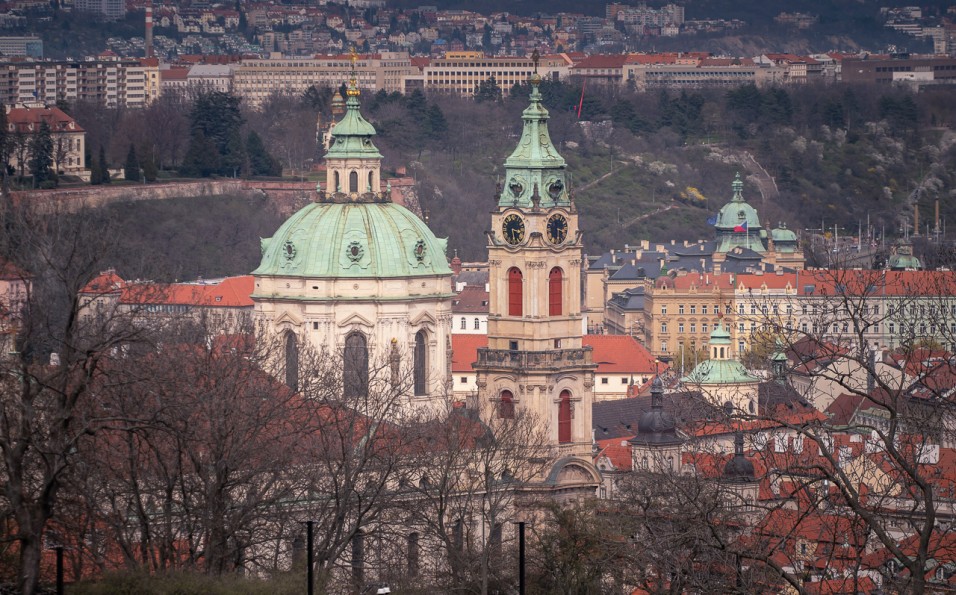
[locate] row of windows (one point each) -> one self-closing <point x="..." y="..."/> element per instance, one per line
<point x="516" y="292"/>
<point x="355" y="364"/>
<point x="506" y="410"/>
<point x="464" y="323"/>
<point x="693" y="309"/>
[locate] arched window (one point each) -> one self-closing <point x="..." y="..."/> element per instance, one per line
<point x="353" y="181"/>
<point x="413" y="554"/>
<point x="555" y="293"/>
<point x="515" y="289"/>
<point x="370" y="189"/>
<point x="355" y="365"/>
<point x="421" y="363"/>
<point x="464" y="324"/>
<point x="336" y="184"/>
<point x="291" y="361"/>
<point x="477" y="324"/>
<point x="506" y="405"/>
<point x="564" y="417"/>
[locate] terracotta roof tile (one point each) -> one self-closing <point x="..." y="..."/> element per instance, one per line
<point x="464" y="351"/>
<point x="621" y="354"/>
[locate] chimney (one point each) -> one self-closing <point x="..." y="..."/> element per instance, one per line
<point x="149" y="30"/>
<point x="456" y="264"/>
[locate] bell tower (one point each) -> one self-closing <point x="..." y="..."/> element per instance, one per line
<point x="535" y="360"/>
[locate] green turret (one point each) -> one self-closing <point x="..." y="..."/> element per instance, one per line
<point x="535" y="172"/>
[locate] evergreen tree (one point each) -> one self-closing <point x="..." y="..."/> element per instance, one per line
<point x="96" y="172"/>
<point x="104" y="167"/>
<point x="41" y="156"/>
<point x="435" y="122"/>
<point x="148" y="164"/>
<point x="215" y="117"/>
<point x="202" y="158"/>
<point x="131" y="170"/>
<point x="260" y="162"/>
<point x="488" y="90"/>
<point x="233" y="160"/>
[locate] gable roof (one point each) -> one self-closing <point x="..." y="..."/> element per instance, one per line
<point x="28" y="119"/>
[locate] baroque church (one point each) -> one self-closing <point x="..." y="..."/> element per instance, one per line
<point x="355" y="274"/>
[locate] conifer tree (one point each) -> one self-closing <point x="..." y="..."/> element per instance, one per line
<point x="41" y="155"/>
<point x="150" y="171"/>
<point x="131" y="170"/>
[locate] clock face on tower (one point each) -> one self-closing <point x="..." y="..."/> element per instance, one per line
<point x="557" y="229"/>
<point x="513" y="229"/>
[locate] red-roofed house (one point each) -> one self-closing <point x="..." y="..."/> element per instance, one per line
<point x="68" y="137"/>
<point x="464" y="352"/>
<point x="622" y="362"/>
<point x="224" y="303"/>
<point x="601" y="68"/>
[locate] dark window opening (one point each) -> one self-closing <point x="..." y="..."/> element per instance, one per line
<point x="355" y="365"/>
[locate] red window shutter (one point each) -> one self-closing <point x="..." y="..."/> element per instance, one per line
<point x="514" y="292"/>
<point x="555" y="294"/>
<point x="564" y="418"/>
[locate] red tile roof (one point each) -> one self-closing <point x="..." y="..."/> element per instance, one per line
<point x="231" y="292"/>
<point x="473" y="299"/>
<point x="621" y="354"/>
<point x="602" y="61"/>
<point x="617" y="451"/>
<point x="28" y="119"/>
<point x="464" y="351"/>
<point x="11" y="272"/>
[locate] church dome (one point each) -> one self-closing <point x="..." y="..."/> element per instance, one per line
<point x="739" y="468"/>
<point x="656" y="426"/>
<point x="353" y="239"/>
<point x="733" y="214"/>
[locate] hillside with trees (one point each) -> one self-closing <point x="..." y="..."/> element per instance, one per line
<point x="644" y="166"/>
<point x="657" y="165"/>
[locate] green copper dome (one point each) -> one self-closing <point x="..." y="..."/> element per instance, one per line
<point x="719" y="371"/>
<point x="535" y="171"/>
<point x="738" y="224"/>
<point x="376" y="240"/>
<point x="352" y="135"/>
<point x="722" y="370"/>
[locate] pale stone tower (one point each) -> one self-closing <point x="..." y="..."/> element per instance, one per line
<point x="535" y="360"/>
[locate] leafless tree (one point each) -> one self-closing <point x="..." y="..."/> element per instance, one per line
<point x="46" y="383"/>
<point x="467" y="492"/>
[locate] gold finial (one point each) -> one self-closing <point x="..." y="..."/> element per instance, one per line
<point x="353" y="90"/>
<point x="535" y="57"/>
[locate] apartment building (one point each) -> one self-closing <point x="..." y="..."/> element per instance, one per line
<point x="254" y="80"/>
<point x="883" y="309"/>
<point x="460" y="73"/>
<point x="112" y="83"/>
<point x="680" y="312"/>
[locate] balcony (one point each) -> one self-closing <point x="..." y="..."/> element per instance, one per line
<point x="535" y="360"/>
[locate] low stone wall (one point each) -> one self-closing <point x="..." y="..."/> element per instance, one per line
<point x="287" y="196"/>
<point x="73" y="199"/>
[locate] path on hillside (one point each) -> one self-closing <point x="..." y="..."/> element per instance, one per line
<point x="597" y="181"/>
<point x="651" y="214"/>
<point x="766" y="185"/>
